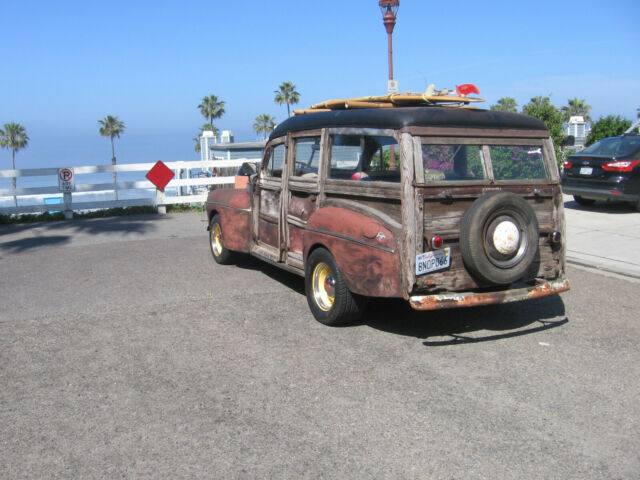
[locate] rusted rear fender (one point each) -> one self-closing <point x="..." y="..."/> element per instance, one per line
<point x="365" y="250"/>
<point x="234" y="208"/>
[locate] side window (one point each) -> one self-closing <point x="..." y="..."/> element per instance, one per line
<point x="452" y="162"/>
<point x="275" y="162"/>
<point x="364" y="158"/>
<point x="306" y="155"/>
<point x="517" y="162"/>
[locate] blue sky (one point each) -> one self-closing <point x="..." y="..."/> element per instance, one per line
<point x="67" y="64"/>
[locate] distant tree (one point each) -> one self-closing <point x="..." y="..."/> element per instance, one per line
<point x="542" y="109"/>
<point x="506" y="104"/>
<point x="264" y="124"/>
<point x="609" y="126"/>
<point x="211" y="108"/>
<point x="576" y="107"/>
<point x="13" y="137"/>
<point x="111" y="127"/>
<point x="286" y="93"/>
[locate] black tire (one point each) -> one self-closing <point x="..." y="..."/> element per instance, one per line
<point x="583" y="201"/>
<point x="329" y="299"/>
<point x="221" y="254"/>
<point x="499" y="238"/>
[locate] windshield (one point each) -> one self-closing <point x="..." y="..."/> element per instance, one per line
<point x="614" y="147"/>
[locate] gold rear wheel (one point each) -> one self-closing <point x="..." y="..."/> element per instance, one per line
<point x="328" y="296"/>
<point x="324" y="286"/>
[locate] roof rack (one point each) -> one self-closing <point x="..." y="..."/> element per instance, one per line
<point x="431" y="97"/>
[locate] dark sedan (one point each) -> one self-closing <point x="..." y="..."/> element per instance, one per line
<point x="607" y="170"/>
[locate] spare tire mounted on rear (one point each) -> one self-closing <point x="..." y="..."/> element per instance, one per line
<point x="499" y="238"/>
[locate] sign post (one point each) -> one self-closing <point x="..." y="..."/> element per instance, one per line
<point x="160" y="175"/>
<point x="66" y="184"/>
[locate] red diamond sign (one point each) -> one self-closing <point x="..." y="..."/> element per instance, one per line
<point x="160" y="175"/>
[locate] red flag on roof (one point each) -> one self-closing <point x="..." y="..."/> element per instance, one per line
<point x="466" y="89"/>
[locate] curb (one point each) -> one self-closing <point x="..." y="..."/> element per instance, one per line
<point x="630" y="273"/>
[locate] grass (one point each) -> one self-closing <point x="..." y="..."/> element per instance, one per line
<point x="107" y="212"/>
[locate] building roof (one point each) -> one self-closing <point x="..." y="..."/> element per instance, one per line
<point x="400" y="117"/>
<point x="237" y="146"/>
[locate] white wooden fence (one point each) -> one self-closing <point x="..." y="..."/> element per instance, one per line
<point x="160" y="200"/>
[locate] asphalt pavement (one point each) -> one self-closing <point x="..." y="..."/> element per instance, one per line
<point x="126" y="352"/>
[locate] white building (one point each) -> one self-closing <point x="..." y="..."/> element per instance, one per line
<point x="579" y="129"/>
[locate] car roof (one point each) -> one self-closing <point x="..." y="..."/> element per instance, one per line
<point x="400" y="117"/>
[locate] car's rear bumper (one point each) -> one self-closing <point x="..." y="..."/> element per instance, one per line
<point x="600" y="193"/>
<point x="471" y="299"/>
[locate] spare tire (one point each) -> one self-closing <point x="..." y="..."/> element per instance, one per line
<point x="499" y="238"/>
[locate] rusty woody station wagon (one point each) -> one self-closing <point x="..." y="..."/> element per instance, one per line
<point x="442" y="205"/>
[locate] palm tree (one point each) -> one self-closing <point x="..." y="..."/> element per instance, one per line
<point x="577" y="106"/>
<point x="211" y="108"/>
<point x="506" y="104"/>
<point x="112" y="127"/>
<point x="264" y="124"/>
<point x="286" y="93"/>
<point x="13" y="137"/>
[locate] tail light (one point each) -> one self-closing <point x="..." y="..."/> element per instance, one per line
<point x="621" y="166"/>
<point x="437" y="242"/>
<point x="567" y="165"/>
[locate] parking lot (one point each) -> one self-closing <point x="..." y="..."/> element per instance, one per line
<point x="125" y="351"/>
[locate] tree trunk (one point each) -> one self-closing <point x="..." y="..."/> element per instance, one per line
<point x="115" y="174"/>
<point x="13" y="180"/>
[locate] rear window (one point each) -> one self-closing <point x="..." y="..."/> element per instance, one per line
<point x="614" y="147"/>
<point x="519" y="162"/>
<point x="455" y="162"/>
<point x="452" y="162"/>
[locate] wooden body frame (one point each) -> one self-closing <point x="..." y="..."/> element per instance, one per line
<point x="374" y="230"/>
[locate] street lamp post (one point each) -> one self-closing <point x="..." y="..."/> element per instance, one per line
<point x="389" y="9"/>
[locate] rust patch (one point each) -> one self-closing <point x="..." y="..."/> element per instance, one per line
<point x="235" y="228"/>
<point x="472" y="299"/>
<point x="231" y="197"/>
<point x="365" y="251"/>
<point x="353" y="225"/>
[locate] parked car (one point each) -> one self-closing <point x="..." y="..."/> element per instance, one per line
<point x="444" y="207"/>
<point x="607" y="170"/>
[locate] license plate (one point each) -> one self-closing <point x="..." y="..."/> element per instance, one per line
<point x="586" y="170"/>
<point x="433" y="261"/>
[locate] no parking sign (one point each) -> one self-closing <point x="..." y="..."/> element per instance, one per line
<point x="66" y="180"/>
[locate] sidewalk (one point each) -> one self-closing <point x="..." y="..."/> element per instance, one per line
<point x="604" y="236"/>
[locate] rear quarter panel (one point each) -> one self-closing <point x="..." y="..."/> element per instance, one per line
<point x="364" y="249"/>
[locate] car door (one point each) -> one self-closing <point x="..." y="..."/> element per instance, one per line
<point x="268" y="205"/>
<point x="302" y="193"/>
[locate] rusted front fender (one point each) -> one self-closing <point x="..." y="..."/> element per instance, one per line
<point x="365" y="250"/>
<point x="234" y="208"/>
<point x="473" y="299"/>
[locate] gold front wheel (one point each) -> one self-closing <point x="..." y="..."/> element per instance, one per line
<point x="221" y="254"/>
<point x="216" y="239"/>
